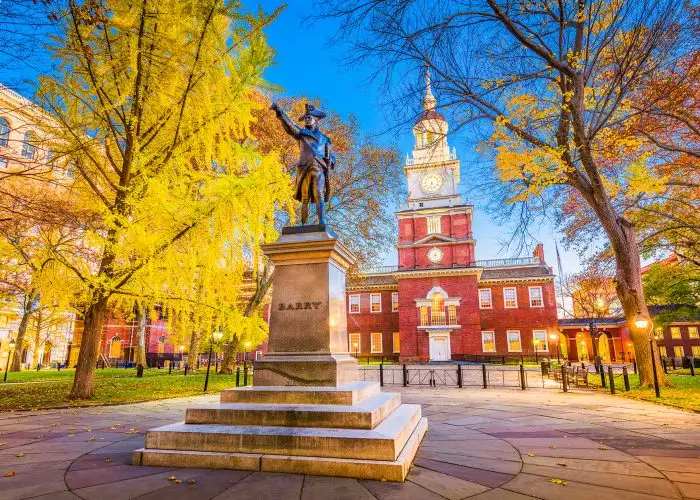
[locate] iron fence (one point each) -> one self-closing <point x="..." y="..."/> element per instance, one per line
<point x="460" y="376"/>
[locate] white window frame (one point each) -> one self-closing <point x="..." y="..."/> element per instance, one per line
<point x="28" y="150"/>
<point x="520" y="340"/>
<point x="490" y="297"/>
<point x="546" y="342"/>
<point x="515" y="295"/>
<point x="529" y="291"/>
<point x="394" y="335"/>
<point x="4" y="132"/>
<point x="676" y="329"/>
<point x="258" y="355"/>
<point x="372" y="302"/>
<point x="394" y="301"/>
<point x="359" y="343"/>
<point x="493" y="334"/>
<point x="373" y="336"/>
<point x="693" y="332"/>
<point x="434" y="226"/>
<point x="351" y="302"/>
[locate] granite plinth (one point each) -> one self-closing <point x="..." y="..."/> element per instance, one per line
<point x="306" y="412"/>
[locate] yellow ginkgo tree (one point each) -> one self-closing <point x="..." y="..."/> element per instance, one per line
<point x="153" y="103"/>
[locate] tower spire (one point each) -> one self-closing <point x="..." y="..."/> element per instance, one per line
<point x="429" y="100"/>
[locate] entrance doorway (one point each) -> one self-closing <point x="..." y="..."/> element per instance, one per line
<point x="604" y="348"/>
<point x="440" y="347"/>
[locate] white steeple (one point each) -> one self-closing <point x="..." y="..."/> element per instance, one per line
<point x="429" y="100"/>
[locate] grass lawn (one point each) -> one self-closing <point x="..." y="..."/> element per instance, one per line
<point x="684" y="391"/>
<point x="49" y="388"/>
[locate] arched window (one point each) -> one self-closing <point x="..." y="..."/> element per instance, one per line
<point x="4" y="132"/>
<point x="438" y="309"/>
<point x="28" y="146"/>
<point x="115" y="348"/>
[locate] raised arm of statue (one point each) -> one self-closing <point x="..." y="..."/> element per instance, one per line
<point x="289" y="126"/>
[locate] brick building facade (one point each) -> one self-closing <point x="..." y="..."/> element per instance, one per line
<point x="440" y="303"/>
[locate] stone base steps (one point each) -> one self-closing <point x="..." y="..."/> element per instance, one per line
<point x="351" y="431"/>
<point x="348" y="394"/>
<point x="366" y="414"/>
<point x="383" y="470"/>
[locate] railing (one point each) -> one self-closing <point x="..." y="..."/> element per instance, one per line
<point x="452" y="155"/>
<point x="516" y="261"/>
<point x="440" y="317"/>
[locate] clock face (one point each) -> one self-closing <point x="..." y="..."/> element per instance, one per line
<point x="435" y="255"/>
<point x="431" y="183"/>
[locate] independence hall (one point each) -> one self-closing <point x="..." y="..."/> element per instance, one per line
<point x="441" y="303"/>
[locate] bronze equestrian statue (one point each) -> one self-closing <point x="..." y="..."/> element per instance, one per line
<point x="315" y="160"/>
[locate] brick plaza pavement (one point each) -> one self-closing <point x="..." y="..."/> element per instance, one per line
<point x="481" y="444"/>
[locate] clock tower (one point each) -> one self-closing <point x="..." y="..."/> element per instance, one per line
<point x="434" y="225"/>
<point x="437" y="278"/>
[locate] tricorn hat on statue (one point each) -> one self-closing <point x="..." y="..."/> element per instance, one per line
<point x="310" y="110"/>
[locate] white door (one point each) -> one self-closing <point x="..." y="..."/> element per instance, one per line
<point x="439" y="348"/>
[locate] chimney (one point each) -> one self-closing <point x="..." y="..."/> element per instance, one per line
<point x="539" y="252"/>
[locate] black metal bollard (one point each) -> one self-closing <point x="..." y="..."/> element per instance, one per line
<point x="564" y="381"/>
<point x="460" y="380"/>
<point x="692" y="367"/>
<point x="187" y="367"/>
<point x="59" y="367"/>
<point x="484" y="376"/>
<point x="245" y="375"/>
<point x="405" y="375"/>
<point x="238" y="376"/>
<point x="139" y="371"/>
<point x="381" y="375"/>
<point x="673" y="363"/>
<point x="38" y="367"/>
<point x="602" y="377"/>
<point x="663" y="362"/>
<point x="522" y="377"/>
<point x="170" y="368"/>
<point x="612" y="380"/>
<point x="626" y="376"/>
<point x="634" y="363"/>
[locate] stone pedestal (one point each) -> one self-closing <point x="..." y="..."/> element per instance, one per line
<point x="307" y="412"/>
<point x="308" y="342"/>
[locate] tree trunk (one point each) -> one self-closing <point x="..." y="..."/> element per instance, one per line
<point x="141" y="317"/>
<point x="628" y="282"/>
<point x="37" y="336"/>
<point x="84" y="381"/>
<point x="21" y="333"/>
<point x="228" y="364"/>
<point x="193" y="353"/>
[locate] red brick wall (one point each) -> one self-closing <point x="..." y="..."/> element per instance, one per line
<point x="365" y="323"/>
<point x="523" y="318"/>
<point x="415" y="341"/>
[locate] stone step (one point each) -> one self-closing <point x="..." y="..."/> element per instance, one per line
<point x="384" y="442"/>
<point x="366" y="414"/>
<point x="348" y="394"/>
<point x="383" y="470"/>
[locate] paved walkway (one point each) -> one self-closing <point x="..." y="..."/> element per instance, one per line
<point x="482" y="444"/>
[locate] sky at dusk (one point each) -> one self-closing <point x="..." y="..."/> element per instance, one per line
<point x="346" y="90"/>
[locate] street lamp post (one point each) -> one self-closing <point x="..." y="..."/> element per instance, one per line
<point x="10" y="351"/>
<point x="596" y="359"/>
<point x="643" y="323"/>
<point x="245" y="352"/>
<point x="217" y="336"/>
<point x="555" y="337"/>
